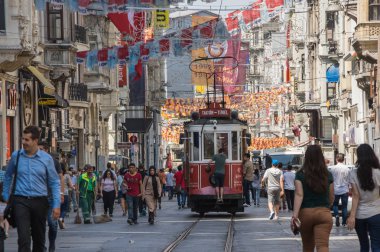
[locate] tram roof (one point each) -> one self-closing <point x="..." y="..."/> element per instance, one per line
<point x="219" y="120"/>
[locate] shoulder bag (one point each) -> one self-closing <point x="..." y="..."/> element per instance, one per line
<point x="9" y="211"/>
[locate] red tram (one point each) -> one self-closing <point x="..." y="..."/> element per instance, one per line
<point x="209" y="130"/>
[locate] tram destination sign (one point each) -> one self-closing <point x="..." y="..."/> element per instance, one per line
<point x="215" y="113"/>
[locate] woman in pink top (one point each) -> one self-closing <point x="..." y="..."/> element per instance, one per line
<point x="108" y="189"/>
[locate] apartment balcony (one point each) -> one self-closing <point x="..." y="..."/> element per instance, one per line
<point x="310" y="105"/>
<point x="78" y="95"/>
<point x="366" y="36"/>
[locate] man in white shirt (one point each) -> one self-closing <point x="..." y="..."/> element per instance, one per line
<point x="341" y="176"/>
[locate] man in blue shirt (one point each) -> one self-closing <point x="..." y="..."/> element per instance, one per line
<point x="36" y="176"/>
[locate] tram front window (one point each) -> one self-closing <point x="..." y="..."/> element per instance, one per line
<point x="196" y="146"/>
<point x="208" y="145"/>
<point x="235" y="146"/>
<point x="222" y="142"/>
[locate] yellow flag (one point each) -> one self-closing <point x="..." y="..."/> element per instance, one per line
<point x="162" y="19"/>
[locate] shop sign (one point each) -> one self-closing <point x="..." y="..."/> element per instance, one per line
<point x="124" y="145"/>
<point x="214" y="113"/>
<point x="47" y="102"/>
<point x="162" y="19"/>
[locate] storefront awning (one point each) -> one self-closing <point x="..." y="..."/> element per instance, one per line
<point x="137" y="125"/>
<point x="49" y="89"/>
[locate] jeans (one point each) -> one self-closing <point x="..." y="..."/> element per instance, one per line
<point x="181" y="198"/>
<point x="142" y="206"/>
<point x="369" y="226"/>
<point x="256" y="195"/>
<point x="170" y="191"/>
<point x="73" y="199"/>
<point x="289" y="195"/>
<point x="133" y="203"/>
<point x="246" y="186"/>
<point x="31" y="222"/>
<point x="344" y="198"/>
<point x="316" y="227"/>
<point x="64" y="206"/>
<point x="53" y="226"/>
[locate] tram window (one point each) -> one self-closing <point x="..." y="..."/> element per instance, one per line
<point x="222" y="142"/>
<point x="208" y="145"/>
<point x="235" y="155"/>
<point x="196" y="146"/>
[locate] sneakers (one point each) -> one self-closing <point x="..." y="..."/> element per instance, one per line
<point x="87" y="222"/>
<point x="135" y="222"/>
<point x="337" y="223"/>
<point x="271" y="216"/>
<point x="159" y="206"/>
<point x="246" y="205"/>
<point x="130" y="221"/>
<point x="124" y="214"/>
<point x="111" y="215"/>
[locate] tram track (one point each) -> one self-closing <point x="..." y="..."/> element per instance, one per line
<point x="228" y="246"/>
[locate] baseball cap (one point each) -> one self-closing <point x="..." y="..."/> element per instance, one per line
<point x="274" y="162"/>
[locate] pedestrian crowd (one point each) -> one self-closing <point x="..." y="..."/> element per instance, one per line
<point x="38" y="188"/>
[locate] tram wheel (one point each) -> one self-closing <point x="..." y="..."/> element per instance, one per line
<point x="201" y="214"/>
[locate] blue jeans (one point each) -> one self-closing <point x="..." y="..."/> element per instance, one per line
<point x="246" y="187"/>
<point x="372" y="226"/>
<point x="133" y="204"/>
<point x="53" y="225"/>
<point x="256" y="195"/>
<point x="64" y="206"/>
<point x="344" y="198"/>
<point x="181" y="198"/>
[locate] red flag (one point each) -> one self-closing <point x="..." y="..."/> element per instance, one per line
<point x="272" y="4"/>
<point x="139" y="70"/>
<point x="103" y="57"/>
<point x="81" y="56"/>
<point x="123" y="55"/>
<point x="232" y="23"/>
<point x="130" y="24"/>
<point x="164" y="46"/>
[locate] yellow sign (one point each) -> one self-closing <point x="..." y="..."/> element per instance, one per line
<point x="47" y="102"/>
<point x="162" y="19"/>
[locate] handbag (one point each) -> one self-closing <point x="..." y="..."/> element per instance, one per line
<point x="295" y="225"/>
<point x="9" y="214"/>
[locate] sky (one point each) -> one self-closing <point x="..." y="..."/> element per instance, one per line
<point x="226" y="6"/>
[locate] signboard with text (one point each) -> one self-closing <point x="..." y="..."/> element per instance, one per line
<point x="214" y="113"/>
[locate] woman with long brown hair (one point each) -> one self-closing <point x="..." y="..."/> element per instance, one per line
<point x="314" y="194"/>
<point x="365" y="211"/>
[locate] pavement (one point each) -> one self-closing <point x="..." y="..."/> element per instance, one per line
<point x="253" y="232"/>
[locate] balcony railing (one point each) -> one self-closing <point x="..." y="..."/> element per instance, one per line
<point x="78" y="92"/>
<point x="80" y="34"/>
